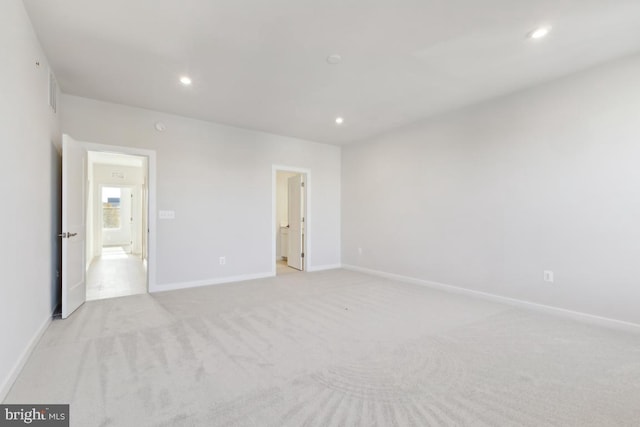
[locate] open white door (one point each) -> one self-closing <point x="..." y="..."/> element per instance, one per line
<point x="74" y="178"/>
<point x="295" y="258"/>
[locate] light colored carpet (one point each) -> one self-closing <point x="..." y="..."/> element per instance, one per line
<point x="332" y="348"/>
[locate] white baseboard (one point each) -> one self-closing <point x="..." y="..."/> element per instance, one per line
<point x="209" y="282"/>
<point x="17" y="368"/>
<point x="231" y="279"/>
<point x="324" y="267"/>
<point x="576" y="315"/>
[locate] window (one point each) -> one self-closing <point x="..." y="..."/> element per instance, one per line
<point x="111" y="207"/>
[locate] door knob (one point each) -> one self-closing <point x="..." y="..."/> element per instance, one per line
<point x="67" y="235"/>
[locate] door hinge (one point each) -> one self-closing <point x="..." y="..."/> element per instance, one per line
<point x="302" y="184"/>
<point x="302" y="255"/>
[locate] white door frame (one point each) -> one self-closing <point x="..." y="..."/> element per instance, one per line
<point x="307" y="216"/>
<point x="151" y="188"/>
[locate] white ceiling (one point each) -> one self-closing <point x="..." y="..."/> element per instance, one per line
<point x="115" y="159"/>
<point x="261" y="64"/>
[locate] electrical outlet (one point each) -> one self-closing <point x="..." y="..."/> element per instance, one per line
<point x="548" y="276"/>
<point x="223" y="260"/>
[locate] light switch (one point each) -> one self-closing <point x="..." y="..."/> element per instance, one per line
<point x="167" y="214"/>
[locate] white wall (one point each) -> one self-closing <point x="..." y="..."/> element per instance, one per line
<point x="30" y="176"/>
<point x="218" y="180"/>
<point x="118" y="175"/>
<point x="489" y="197"/>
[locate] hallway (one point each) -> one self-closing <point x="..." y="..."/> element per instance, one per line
<point x="115" y="274"/>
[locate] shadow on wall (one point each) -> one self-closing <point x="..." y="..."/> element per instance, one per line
<point x="56" y="225"/>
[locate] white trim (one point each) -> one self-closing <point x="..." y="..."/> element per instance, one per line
<point x="210" y="282"/>
<point x="576" y="315"/>
<point x="307" y="208"/>
<point x="151" y="175"/>
<point x="22" y="360"/>
<point x="324" y="267"/>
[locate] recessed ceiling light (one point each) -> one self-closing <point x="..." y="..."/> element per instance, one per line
<point x="160" y="127"/>
<point x="339" y="120"/>
<point x="539" y="32"/>
<point x="185" y="80"/>
<point x="334" y="59"/>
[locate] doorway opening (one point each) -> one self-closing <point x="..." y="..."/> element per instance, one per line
<point x="117" y="223"/>
<point x="291" y="222"/>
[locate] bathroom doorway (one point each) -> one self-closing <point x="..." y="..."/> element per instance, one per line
<point x="291" y="222"/>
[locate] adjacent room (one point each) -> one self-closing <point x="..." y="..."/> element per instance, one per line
<point x="117" y="206"/>
<point x="290" y="221"/>
<point x="305" y="213"/>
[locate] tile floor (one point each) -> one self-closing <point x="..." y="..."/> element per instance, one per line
<point x="283" y="268"/>
<point x="115" y="274"/>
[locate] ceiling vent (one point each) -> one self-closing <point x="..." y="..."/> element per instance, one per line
<point x="53" y="92"/>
